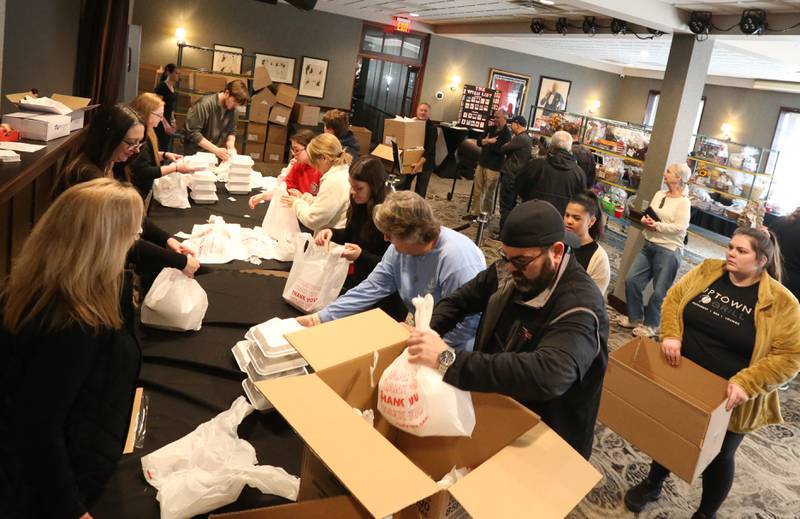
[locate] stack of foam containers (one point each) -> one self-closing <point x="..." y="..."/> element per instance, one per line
<point x="239" y="175"/>
<point x="201" y="160"/>
<point x="266" y="354"/>
<point x="204" y="187"/>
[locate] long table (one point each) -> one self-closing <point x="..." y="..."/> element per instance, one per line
<point x="191" y="377"/>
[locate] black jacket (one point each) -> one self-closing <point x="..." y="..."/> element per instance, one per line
<point x="491" y="154"/>
<point x="371" y="241"/>
<point x="431" y="136"/>
<point x="518" y="153"/>
<point x="350" y="145"/>
<point x="65" y="405"/>
<point x="585" y="159"/>
<point x="551" y="355"/>
<point x="144" y="168"/>
<point x="554" y="179"/>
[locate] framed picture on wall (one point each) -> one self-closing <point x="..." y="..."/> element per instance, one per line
<point x="227" y="59"/>
<point x="513" y="89"/>
<point x="280" y="68"/>
<point x="552" y="97"/>
<point x="313" y="75"/>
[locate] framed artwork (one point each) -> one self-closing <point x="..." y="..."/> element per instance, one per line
<point x="513" y="89"/>
<point x="313" y="75"/>
<point x="280" y="68"/>
<point x="552" y="97"/>
<point x="227" y="59"/>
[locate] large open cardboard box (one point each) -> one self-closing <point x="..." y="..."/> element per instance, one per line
<point x="676" y="416"/>
<point x="77" y="106"/>
<point x="407" y="157"/>
<point x="520" y="467"/>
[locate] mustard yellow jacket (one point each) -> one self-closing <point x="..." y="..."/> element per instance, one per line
<point x="776" y="353"/>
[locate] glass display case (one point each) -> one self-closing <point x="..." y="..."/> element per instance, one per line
<point x="727" y="175"/>
<point x="547" y="125"/>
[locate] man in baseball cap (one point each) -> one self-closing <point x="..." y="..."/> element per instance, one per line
<point x="518" y="153"/>
<point x="542" y="337"/>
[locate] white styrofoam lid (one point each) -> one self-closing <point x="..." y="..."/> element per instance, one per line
<point x="255" y="376"/>
<point x="269" y="336"/>
<point x="241" y="353"/>
<point x="204" y="175"/>
<point x="203" y="196"/>
<point x="255" y="396"/>
<point x="268" y="365"/>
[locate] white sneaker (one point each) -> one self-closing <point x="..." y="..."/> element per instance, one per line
<point x="626" y="323"/>
<point x="644" y="331"/>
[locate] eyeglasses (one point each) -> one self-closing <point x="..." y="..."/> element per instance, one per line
<point x="519" y="262"/>
<point x="134" y="146"/>
<point x="158" y="114"/>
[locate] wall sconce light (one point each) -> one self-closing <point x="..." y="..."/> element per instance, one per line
<point x="727" y="131"/>
<point x="594" y="106"/>
<point x="455" y="82"/>
<point x="180" y="35"/>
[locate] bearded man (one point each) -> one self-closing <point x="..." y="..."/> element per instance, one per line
<point x="543" y="333"/>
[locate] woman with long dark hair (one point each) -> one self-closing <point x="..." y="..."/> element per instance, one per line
<point x="584" y="218"/>
<point x="166" y="90"/>
<point x="734" y="318"/>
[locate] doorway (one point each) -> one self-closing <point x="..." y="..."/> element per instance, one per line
<point x="388" y="76"/>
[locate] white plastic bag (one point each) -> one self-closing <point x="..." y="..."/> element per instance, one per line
<point x="415" y="399"/>
<point x="317" y="275"/>
<point x="171" y="191"/>
<point x="280" y="223"/>
<point x="209" y="467"/>
<point x="174" y="302"/>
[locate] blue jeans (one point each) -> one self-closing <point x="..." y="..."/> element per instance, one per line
<point x="653" y="263"/>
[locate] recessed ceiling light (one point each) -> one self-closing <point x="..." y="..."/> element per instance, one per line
<point x="546" y="2"/>
<point x="413" y="14"/>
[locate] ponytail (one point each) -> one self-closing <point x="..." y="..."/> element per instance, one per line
<point x="765" y="245"/>
<point x="588" y="200"/>
<point x="169" y="68"/>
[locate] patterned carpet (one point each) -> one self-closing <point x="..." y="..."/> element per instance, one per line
<point x="767" y="483"/>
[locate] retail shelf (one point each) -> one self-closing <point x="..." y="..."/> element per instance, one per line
<point x="612" y="154"/>
<point x="604" y="181"/>
<point x="729" y="168"/>
<point x="723" y="193"/>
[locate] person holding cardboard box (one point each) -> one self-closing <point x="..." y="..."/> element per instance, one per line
<point x="166" y="90"/>
<point x="70" y="357"/>
<point x="491" y="142"/>
<point x="542" y="337"/>
<point x="146" y="165"/>
<point x="424" y="258"/>
<point x="337" y="123"/>
<point x="211" y="121"/>
<point x="423" y="167"/>
<point x="734" y="318"/>
<point x="327" y="210"/>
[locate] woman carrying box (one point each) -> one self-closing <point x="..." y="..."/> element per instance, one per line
<point x="735" y="319"/>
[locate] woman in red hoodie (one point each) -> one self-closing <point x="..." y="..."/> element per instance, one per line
<point x="302" y="177"/>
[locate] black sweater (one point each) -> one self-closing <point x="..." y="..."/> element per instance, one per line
<point x="492" y="155"/>
<point x="65" y="405"/>
<point x="144" y="169"/>
<point x="372" y="244"/>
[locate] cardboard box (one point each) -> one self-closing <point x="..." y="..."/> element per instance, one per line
<point x="256" y="132"/>
<point x="149" y="76"/>
<point x="260" y="105"/>
<point x="286" y="94"/>
<point x="207" y="83"/>
<point x="675" y="415"/>
<point x="276" y="134"/>
<point x="407" y="157"/>
<point x="268" y="169"/>
<point x="407" y="133"/>
<point x="521" y="468"/>
<point x="74" y="107"/>
<point x="255" y="155"/>
<point x="261" y="79"/>
<point x="364" y="138"/>
<point x="37" y="126"/>
<point x="340" y="507"/>
<point x="280" y="114"/>
<point x="273" y="153"/>
<point x="304" y="113"/>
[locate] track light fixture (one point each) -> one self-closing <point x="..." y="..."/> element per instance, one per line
<point x="753" y="21"/>
<point x="700" y="22"/>
<point x="589" y="25"/>
<point x="619" y="26"/>
<point x="537" y="26"/>
<point x="655" y="32"/>
<point x="562" y="26"/>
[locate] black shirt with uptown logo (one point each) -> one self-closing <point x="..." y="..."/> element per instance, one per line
<point x="719" y="327"/>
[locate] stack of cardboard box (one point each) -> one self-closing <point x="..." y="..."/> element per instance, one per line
<point x="409" y="134"/>
<point x="279" y="115"/>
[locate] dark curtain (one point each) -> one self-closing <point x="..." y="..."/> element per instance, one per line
<point x="102" y="50"/>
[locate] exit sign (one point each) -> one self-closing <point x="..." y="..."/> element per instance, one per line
<point x="402" y="24"/>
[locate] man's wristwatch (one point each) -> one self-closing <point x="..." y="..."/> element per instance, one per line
<point x="446" y="359"/>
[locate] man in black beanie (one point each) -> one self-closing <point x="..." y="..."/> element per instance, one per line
<point x="543" y="333"/>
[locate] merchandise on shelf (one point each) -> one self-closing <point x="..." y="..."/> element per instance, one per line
<point x="548" y="124"/>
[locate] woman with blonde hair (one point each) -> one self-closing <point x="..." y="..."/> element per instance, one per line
<point x="70" y="357"/>
<point x="327" y="210"/>
<point x="147" y="165"/>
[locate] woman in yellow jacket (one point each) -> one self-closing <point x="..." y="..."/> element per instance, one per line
<point x="735" y="319"/>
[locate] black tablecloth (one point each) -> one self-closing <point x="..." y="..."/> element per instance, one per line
<point x="232" y="211"/>
<point x="716" y="223"/>
<point x="452" y="138"/>
<point x="189" y="378"/>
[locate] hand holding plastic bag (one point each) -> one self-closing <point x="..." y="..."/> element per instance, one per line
<point x="172" y="191"/>
<point x="414" y="398"/>
<point x="280" y="223"/>
<point x="209" y="467"/>
<point x="175" y="302"/>
<point x="317" y="276"/>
